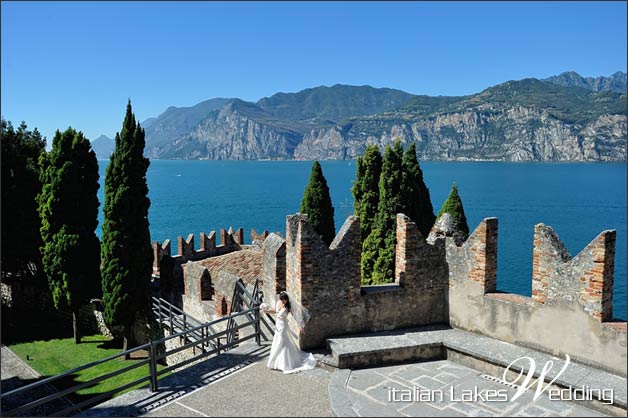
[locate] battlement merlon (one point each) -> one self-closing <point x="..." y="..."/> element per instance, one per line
<point x="273" y="266"/>
<point x="309" y="262"/>
<point x="159" y="250"/>
<point x="208" y="242"/>
<point x="588" y="277"/>
<point x="258" y="238"/>
<point x="476" y="259"/>
<point x="418" y="264"/>
<point x="185" y="248"/>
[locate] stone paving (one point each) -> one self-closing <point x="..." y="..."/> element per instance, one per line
<point x="437" y="388"/>
<point x="238" y="383"/>
<point x="16" y="373"/>
<point x="256" y="391"/>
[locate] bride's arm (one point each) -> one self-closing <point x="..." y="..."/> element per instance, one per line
<point x="269" y="310"/>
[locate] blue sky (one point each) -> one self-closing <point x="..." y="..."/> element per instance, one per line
<point x="76" y="63"/>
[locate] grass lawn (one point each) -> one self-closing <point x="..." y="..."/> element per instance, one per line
<point x="52" y="357"/>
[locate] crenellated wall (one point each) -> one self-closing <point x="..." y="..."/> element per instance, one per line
<point x="447" y="281"/>
<point x="570" y="308"/>
<point x="230" y="241"/>
<point x="326" y="281"/>
<point x="273" y="267"/>
<point x="168" y="267"/>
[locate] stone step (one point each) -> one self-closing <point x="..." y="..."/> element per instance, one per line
<point x="478" y="351"/>
<point x="389" y="347"/>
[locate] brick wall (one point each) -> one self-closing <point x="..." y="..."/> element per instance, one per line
<point x="326" y="281"/>
<point x="569" y="312"/>
<point x="587" y="278"/>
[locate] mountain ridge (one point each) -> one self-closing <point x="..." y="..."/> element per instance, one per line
<point x="616" y="82"/>
<point x="103" y="147"/>
<point x="518" y="120"/>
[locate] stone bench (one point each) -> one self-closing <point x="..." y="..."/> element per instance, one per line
<point x="480" y="352"/>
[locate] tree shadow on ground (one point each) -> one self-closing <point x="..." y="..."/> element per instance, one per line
<point x="56" y="405"/>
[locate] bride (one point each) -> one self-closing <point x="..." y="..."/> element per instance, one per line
<point x="284" y="353"/>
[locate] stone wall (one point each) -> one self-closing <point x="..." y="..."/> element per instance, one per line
<point x="168" y="267"/>
<point x="273" y="268"/>
<point x="446" y="280"/>
<point x="570" y="308"/>
<point x="20" y="295"/>
<point x="223" y="284"/>
<point x="326" y="282"/>
<point x="183" y="355"/>
<point x="25" y="293"/>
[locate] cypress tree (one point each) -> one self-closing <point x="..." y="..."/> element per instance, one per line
<point x="68" y="207"/>
<point x="126" y="249"/>
<point x="316" y="203"/>
<point x="453" y="206"/>
<point x="378" y="255"/>
<point x="366" y="188"/>
<point x="21" y="238"/>
<point x="416" y="196"/>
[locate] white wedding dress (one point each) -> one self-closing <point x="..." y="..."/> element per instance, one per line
<point x="284" y="353"/>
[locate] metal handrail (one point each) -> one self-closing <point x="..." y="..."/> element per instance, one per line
<point x="78" y="369"/>
<point x="153" y="375"/>
<point x="161" y="302"/>
<point x="80" y="386"/>
<point x="214" y="322"/>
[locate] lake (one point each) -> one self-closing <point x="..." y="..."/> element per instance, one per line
<point x="578" y="200"/>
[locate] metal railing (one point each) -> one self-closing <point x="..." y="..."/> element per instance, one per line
<point x="201" y="336"/>
<point x="243" y="299"/>
<point x="177" y="320"/>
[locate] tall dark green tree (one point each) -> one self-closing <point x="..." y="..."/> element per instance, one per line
<point x="126" y="249"/>
<point x="378" y="251"/>
<point x="316" y="203"/>
<point x="415" y="194"/>
<point x="68" y="208"/>
<point x="21" y="149"/>
<point x="366" y="188"/>
<point x="453" y="206"/>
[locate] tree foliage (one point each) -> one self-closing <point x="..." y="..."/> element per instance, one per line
<point x="378" y="251"/>
<point x="415" y="194"/>
<point x="68" y="208"/>
<point x="317" y="204"/>
<point x="126" y="249"/>
<point x="453" y="206"/>
<point x="21" y="149"/>
<point x="366" y="188"/>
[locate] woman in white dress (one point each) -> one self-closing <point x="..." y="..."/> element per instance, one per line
<point x="284" y="353"/>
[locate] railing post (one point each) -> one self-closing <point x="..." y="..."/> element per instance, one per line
<point x="152" y="366"/>
<point x="159" y="312"/>
<point x="171" y="325"/>
<point x="258" y="333"/>
<point x="203" y="339"/>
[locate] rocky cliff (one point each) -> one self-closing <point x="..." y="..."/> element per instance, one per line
<point x="526" y="120"/>
<point x="515" y="134"/>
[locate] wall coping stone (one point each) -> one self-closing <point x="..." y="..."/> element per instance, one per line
<point x="366" y="290"/>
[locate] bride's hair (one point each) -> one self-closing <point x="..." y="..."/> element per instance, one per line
<point x="284" y="296"/>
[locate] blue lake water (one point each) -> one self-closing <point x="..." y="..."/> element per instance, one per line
<point x="577" y="200"/>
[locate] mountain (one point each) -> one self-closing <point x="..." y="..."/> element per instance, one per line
<point x="103" y="146"/>
<point x="615" y="83"/>
<point x="523" y="120"/>
<point x="177" y="121"/>
<point x="335" y="103"/>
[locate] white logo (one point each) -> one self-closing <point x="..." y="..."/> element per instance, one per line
<point x="527" y="382"/>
